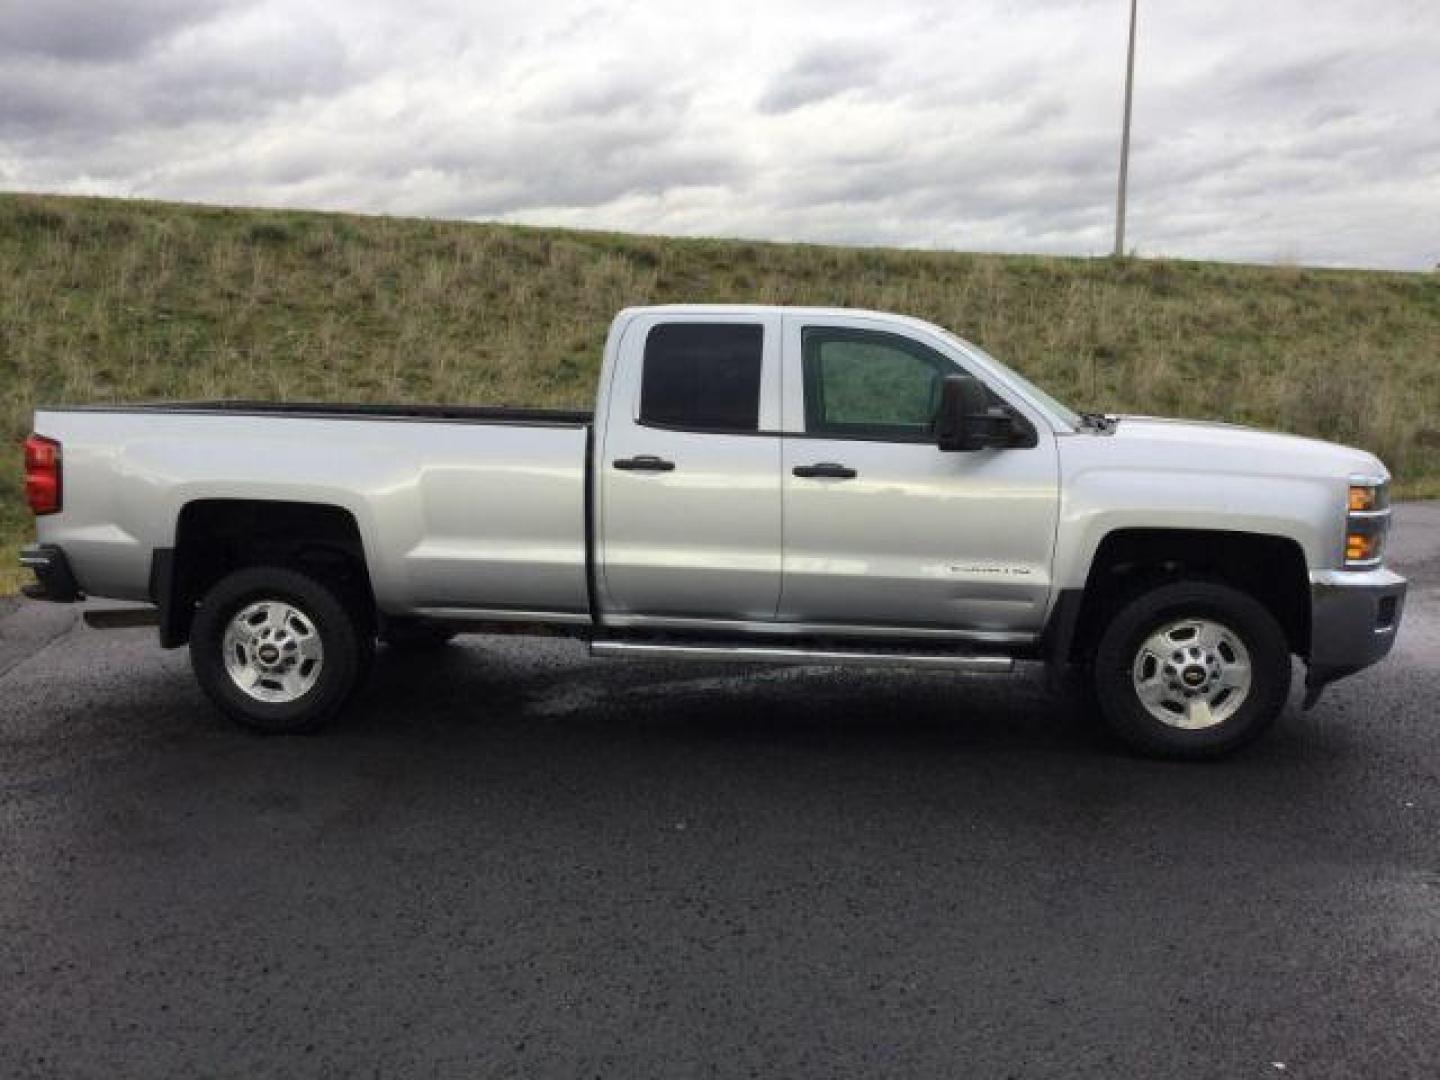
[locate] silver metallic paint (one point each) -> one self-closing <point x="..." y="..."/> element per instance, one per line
<point x="703" y="540"/>
<point x="467" y="518"/>
<point x="457" y="515"/>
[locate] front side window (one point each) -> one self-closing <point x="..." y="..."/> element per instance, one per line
<point x="702" y="376"/>
<point x="869" y="384"/>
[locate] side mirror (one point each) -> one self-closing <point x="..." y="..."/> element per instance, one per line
<point x="967" y="422"/>
<point x="962" y="402"/>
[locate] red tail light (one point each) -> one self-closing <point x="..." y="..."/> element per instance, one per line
<point x="42" y="474"/>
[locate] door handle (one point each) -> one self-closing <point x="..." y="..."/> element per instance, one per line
<point x="644" y="463"/>
<point x="826" y="468"/>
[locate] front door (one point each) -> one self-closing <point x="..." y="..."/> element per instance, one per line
<point x="881" y="527"/>
<point x="689" y="471"/>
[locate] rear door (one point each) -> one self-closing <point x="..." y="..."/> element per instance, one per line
<point x="688" y="467"/>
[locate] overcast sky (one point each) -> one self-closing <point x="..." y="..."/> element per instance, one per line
<point x="1265" y="130"/>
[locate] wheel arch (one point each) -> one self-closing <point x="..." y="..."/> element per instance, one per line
<point x="1269" y="567"/>
<point x="214" y="537"/>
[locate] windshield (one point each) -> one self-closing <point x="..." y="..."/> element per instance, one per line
<point x="1040" y="397"/>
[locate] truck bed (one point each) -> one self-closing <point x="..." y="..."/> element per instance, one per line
<point x="462" y="511"/>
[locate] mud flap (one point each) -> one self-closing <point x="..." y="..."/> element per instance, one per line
<point x="1318" y="679"/>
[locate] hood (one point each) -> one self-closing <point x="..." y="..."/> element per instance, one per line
<point x="1213" y="446"/>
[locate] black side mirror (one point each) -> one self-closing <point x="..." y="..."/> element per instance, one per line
<point x="967" y="421"/>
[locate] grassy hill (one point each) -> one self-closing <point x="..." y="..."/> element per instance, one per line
<point x="104" y="300"/>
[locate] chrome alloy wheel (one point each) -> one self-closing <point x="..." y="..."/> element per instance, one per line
<point x="1192" y="674"/>
<point x="273" y="651"/>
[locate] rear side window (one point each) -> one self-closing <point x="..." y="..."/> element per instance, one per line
<point x="702" y="377"/>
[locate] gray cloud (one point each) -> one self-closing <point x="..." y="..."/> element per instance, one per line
<point x="609" y="93"/>
<point x="821" y="73"/>
<point x="228" y="69"/>
<point x="1303" y="129"/>
<point x="1301" y="75"/>
<point x="82" y="30"/>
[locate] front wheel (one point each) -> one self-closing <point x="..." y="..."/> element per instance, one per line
<point x="277" y="650"/>
<point x="1191" y="669"/>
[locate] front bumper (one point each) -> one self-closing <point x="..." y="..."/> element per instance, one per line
<point x="1354" y="616"/>
<point x="54" y="579"/>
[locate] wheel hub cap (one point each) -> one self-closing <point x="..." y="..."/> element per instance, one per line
<point x="1192" y="673"/>
<point x="273" y="651"/>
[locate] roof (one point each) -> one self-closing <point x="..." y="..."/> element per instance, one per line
<point x="760" y="310"/>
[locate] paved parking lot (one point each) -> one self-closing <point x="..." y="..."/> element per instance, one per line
<point x="516" y="861"/>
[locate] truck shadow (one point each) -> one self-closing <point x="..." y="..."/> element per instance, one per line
<point x="493" y="748"/>
<point x="462" y="692"/>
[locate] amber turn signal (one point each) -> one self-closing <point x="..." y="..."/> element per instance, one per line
<point x="1363" y="499"/>
<point x="1361" y="547"/>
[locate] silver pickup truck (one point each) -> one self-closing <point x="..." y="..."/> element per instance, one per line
<point x="757" y="484"/>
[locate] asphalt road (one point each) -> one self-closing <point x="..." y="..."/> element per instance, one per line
<point x="516" y="861"/>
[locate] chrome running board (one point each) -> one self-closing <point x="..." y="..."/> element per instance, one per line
<point x="760" y="654"/>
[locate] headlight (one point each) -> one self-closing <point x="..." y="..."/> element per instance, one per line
<point x="1367" y="521"/>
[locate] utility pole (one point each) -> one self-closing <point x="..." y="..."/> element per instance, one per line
<point x="1125" y="141"/>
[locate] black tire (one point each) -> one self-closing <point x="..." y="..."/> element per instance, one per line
<point x="416" y="635"/>
<point x="1120" y="644"/>
<point x="347" y="648"/>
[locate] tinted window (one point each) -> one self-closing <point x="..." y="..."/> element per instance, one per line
<point x="702" y="376"/>
<point x="860" y="382"/>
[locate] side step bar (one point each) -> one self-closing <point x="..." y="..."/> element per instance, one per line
<point x="761" y="654"/>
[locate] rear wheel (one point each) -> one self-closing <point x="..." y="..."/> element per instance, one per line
<point x="278" y="650"/>
<point x="1191" y="669"/>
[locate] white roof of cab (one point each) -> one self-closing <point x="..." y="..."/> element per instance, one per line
<point x="760" y="310"/>
<point x="767" y="309"/>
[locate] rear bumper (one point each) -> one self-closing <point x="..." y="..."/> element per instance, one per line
<point x="1354" y="617"/>
<point x="54" y="579"/>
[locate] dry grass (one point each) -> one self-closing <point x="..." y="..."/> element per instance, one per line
<point x="105" y="300"/>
